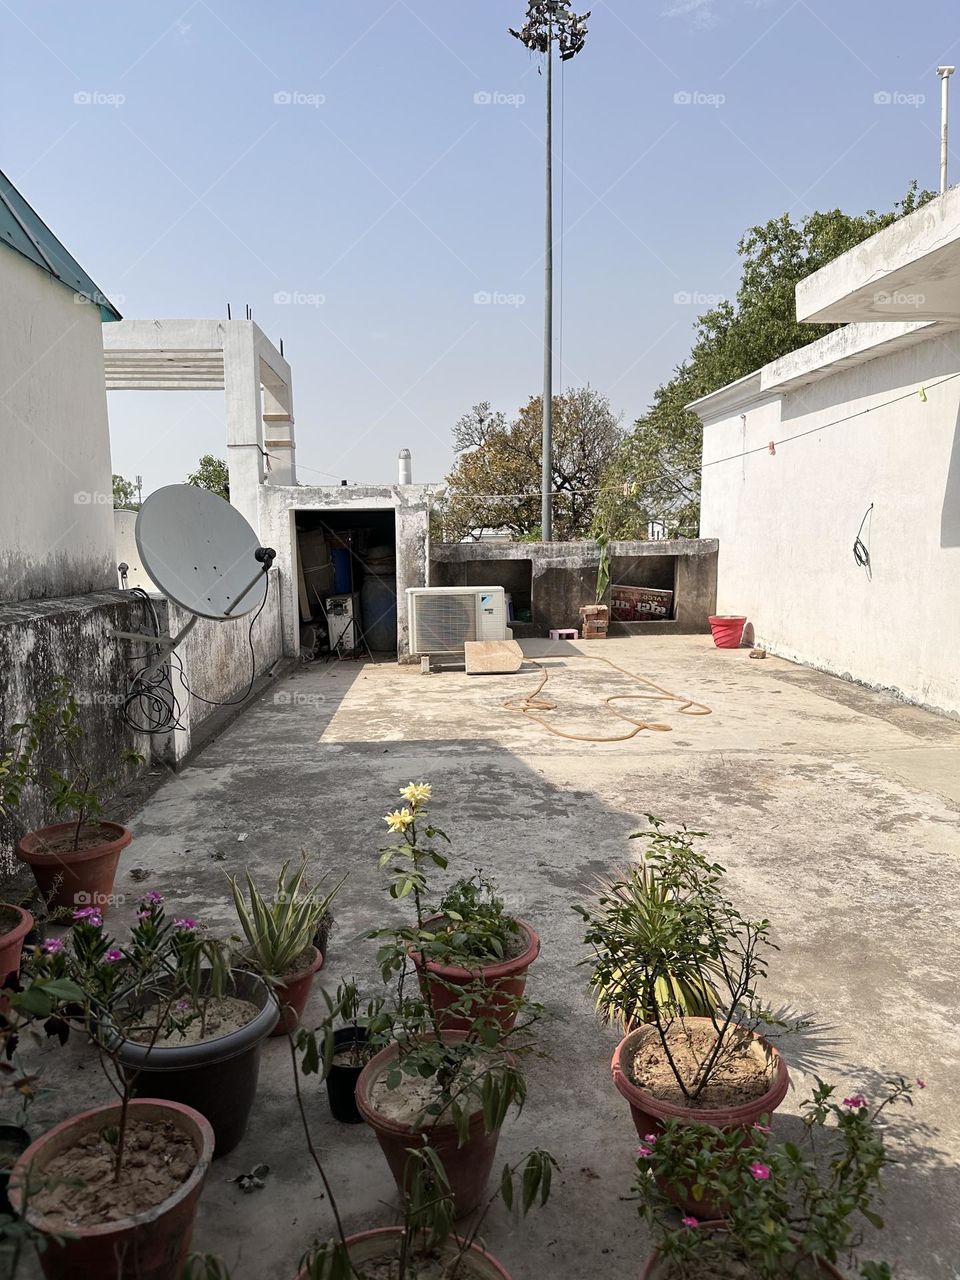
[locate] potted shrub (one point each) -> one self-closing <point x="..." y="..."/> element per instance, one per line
<point x="347" y="1048"/>
<point x="790" y="1210"/>
<point x="167" y="1009"/>
<point x="692" y="950"/>
<point x="451" y="1089"/>
<point x="280" y="937"/>
<point x="113" y="1191"/>
<point x="425" y="1245"/>
<point x="74" y="862"/>
<point x="470" y="942"/>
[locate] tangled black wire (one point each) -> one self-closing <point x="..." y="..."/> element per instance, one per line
<point x="150" y="704"/>
<point x="860" y="552"/>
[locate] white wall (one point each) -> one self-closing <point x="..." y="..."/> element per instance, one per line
<point x="787" y="522"/>
<point x="56" y="504"/>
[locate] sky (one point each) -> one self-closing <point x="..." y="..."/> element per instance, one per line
<point x="368" y="178"/>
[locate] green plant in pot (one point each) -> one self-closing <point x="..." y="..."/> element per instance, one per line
<point x="354" y="1029"/>
<point x="74" y="862"/>
<point x="279" y="935"/>
<point x="791" y="1210"/>
<point x="451" y="1088"/>
<point x="129" y="1214"/>
<point x="678" y="965"/>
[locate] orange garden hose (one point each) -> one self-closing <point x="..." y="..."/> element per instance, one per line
<point x="528" y="704"/>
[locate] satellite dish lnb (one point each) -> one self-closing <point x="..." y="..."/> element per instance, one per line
<point x="201" y="554"/>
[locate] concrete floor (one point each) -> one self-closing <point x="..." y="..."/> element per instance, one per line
<point x="833" y="808"/>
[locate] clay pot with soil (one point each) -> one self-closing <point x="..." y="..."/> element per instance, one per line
<point x="394" y="1104"/>
<point x="214" y="1065"/>
<point x="749" y="1080"/>
<point x="374" y="1255"/>
<point x="75" y="867"/>
<point x="139" y="1228"/>
<point x="447" y="983"/>
<point x="293" y="990"/>
<point x="15" y="924"/>
<point x="13" y="1142"/>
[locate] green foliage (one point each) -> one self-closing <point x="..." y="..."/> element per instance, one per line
<point x="211" y="473"/>
<point x="603" y="567"/>
<point x="495" y="482"/>
<point x="666" y="940"/>
<point x="54" y="729"/>
<point x="656" y="473"/>
<point x="473" y="929"/>
<point x="781" y="1202"/>
<point x="126" y="495"/>
<point x="279" y="931"/>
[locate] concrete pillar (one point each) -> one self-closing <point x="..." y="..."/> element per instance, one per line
<point x="241" y="393"/>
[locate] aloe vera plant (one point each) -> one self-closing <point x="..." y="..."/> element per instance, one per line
<point x="279" y="931"/>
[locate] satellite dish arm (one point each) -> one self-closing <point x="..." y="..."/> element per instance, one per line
<point x="266" y="556"/>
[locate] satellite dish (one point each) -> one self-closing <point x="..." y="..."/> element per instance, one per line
<point x="201" y="552"/>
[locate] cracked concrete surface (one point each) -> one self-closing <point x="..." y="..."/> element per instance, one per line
<point x="833" y="808"/>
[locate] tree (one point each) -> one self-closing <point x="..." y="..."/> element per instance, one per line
<point x="656" y="474"/>
<point x="126" y="494"/>
<point x="212" y="474"/>
<point x="495" y="482"/>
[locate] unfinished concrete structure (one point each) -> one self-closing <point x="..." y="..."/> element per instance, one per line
<point x="232" y="356"/>
<point x="549" y="581"/>
<point x="854" y="437"/>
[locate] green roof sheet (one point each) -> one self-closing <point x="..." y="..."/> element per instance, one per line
<point x="23" y="230"/>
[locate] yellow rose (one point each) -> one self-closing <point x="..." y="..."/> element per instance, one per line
<point x="399" y="820"/>
<point x="416" y="792"/>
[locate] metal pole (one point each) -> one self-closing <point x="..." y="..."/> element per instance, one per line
<point x="944" y="73"/>
<point x="546" y="463"/>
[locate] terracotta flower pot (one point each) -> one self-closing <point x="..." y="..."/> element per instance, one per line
<point x="506" y="981"/>
<point x="292" y="994"/>
<point x="467" y="1167"/>
<point x="650" y="1113"/>
<point x="369" y="1245"/>
<point x="11" y="946"/>
<point x="153" y="1244"/>
<point x="653" y="1270"/>
<point x="86" y="875"/>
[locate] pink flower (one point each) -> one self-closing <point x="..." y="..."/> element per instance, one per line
<point x="921" y="1084"/>
<point x="144" y="915"/>
<point x="113" y="955"/>
<point x="856" y="1102"/>
<point x="185" y="923"/>
<point x="762" y="1128"/>
<point x="52" y="946"/>
<point x="153" y="896"/>
<point x="690" y="1222"/>
<point x="650" y="1138"/>
<point x="644" y="1151"/>
<point x="88" y="915"/>
<point x="760" y="1171"/>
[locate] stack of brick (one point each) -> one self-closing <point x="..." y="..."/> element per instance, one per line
<point x="594" y="619"/>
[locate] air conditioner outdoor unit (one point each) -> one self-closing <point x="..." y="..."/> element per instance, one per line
<point x="443" y="619"/>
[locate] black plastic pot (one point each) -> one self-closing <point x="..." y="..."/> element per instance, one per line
<point x="342" y="1081"/>
<point x="13" y="1142"/>
<point x="217" y="1077"/>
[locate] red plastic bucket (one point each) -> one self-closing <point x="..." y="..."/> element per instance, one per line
<point x="727" y="630"/>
